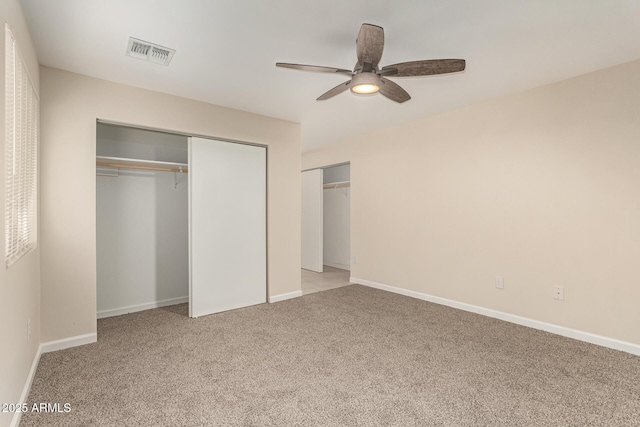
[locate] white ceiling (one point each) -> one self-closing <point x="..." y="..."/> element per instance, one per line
<point x="226" y="50"/>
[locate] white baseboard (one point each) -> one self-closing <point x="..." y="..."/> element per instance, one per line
<point x="48" y="347"/>
<point x="282" y="297"/>
<point x="17" y="416"/>
<point x="524" y="321"/>
<point x="141" y="307"/>
<point x="337" y="265"/>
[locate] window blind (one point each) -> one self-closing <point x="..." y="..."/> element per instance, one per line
<point x="21" y="161"/>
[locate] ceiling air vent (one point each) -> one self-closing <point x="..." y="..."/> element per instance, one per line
<point x="149" y="51"/>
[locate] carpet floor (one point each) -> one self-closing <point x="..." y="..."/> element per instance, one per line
<point x="352" y="356"/>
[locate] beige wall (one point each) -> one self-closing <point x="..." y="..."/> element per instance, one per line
<point x="20" y="284"/>
<point x="71" y="103"/>
<point x="542" y="187"/>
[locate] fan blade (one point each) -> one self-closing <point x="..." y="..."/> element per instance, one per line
<point x="314" y="68"/>
<point x="336" y="90"/>
<point x="426" y="68"/>
<point x="393" y="91"/>
<point x="370" y="44"/>
<point x="388" y="72"/>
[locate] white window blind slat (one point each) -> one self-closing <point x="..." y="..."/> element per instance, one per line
<point x="21" y="144"/>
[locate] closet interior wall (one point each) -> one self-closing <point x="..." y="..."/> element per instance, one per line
<point x="336" y="217"/>
<point x="142" y="223"/>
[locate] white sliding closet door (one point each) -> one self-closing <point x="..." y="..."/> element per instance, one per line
<point x="227" y="226"/>
<point x="312" y="217"/>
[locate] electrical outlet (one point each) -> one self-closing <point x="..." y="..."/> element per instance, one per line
<point x="558" y="292"/>
<point x="355" y="259"/>
<point x="29" y="330"/>
<point x="499" y="282"/>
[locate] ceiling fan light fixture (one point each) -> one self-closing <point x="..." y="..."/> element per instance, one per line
<point x="365" y="89"/>
<point x="368" y="79"/>
<point x="365" y="83"/>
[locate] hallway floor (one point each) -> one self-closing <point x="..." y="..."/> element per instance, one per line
<point x="331" y="278"/>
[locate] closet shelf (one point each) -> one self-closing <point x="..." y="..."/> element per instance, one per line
<point x="332" y="185"/>
<point x="154" y="165"/>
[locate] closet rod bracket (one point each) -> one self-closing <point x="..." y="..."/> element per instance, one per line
<point x="177" y="181"/>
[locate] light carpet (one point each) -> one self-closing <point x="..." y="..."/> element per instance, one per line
<point x="352" y="356"/>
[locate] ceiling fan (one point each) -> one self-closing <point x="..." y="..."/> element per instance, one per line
<point x="368" y="78"/>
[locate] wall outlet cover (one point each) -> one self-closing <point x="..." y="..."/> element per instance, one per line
<point x="558" y="292"/>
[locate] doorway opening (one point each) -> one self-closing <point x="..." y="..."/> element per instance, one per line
<point x="326" y="228"/>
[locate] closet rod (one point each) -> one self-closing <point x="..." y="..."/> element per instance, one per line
<point x="150" y="168"/>
<point x="333" y="185"/>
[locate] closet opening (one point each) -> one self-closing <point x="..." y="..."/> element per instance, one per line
<point x="326" y="228"/>
<point x="142" y="221"/>
<point x="179" y="219"/>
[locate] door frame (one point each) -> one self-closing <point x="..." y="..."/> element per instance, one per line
<point x="351" y="257"/>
